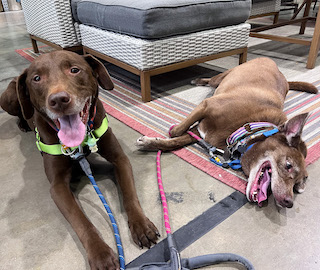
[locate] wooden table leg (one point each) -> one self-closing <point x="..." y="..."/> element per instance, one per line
<point x="145" y="86"/>
<point x="315" y="43"/>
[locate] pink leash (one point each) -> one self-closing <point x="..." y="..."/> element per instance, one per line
<point x="163" y="196"/>
<point x="160" y="185"/>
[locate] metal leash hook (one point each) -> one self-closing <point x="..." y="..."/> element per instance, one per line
<point x="176" y="263"/>
<point x="217" y="156"/>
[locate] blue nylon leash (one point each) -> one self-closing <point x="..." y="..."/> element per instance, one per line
<point x="86" y="168"/>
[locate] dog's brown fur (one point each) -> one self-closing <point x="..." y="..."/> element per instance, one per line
<point x="252" y="92"/>
<point x="36" y="102"/>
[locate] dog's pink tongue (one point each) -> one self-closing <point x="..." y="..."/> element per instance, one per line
<point x="264" y="184"/>
<point x="72" y="130"/>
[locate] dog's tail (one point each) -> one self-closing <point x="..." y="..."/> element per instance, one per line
<point x="303" y="86"/>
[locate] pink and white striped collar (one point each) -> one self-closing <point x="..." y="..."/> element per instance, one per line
<point x="248" y="129"/>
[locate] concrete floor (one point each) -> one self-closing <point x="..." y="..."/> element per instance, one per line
<point x="34" y="235"/>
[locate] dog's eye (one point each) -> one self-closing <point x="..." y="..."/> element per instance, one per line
<point x="36" y="78"/>
<point x="74" y="70"/>
<point x="288" y="165"/>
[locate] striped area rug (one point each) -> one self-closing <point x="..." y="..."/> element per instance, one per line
<point x="154" y="118"/>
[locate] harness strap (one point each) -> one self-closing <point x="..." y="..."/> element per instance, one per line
<point x="102" y="129"/>
<point x="57" y="149"/>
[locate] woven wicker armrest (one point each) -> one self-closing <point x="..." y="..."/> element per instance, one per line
<point x="264" y="7"/>
<point x="51" y="21"/>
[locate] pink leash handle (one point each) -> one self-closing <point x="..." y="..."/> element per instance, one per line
<point x="163" y="195"/>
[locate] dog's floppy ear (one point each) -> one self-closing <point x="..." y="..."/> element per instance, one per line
<point x="100" y="71"/>
<point x="24" y="96"/>
<point x="9" y="100"/>
<point x="292" y="129"/>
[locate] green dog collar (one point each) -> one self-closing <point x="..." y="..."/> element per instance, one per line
<point x="59" y="149"/>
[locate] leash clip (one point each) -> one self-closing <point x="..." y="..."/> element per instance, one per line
<point x="66" y="150"/>
<point x="75" y="154"/>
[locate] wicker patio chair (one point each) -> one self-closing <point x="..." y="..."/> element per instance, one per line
<point x="51" y="22"/>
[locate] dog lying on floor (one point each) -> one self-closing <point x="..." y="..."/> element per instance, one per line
<point x="58" y="96"/>
<point x="252" y="92"/>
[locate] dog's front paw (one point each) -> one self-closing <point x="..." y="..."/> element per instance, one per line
<point x="23" y="125"/>
<point x="147" y="143"/>
<point x="100" y="256"/>
<point x="175" y="131"/>
<point x="143" y="232"/>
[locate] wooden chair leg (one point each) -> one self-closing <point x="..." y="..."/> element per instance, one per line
<point x="34" y="45"/>
<point x="315" y="44"/>
<point x="243" y="56"/>
<point x="145" y="86"/>
<point x="296" y="12"/>
<point x="305" y="14"/>
<point x="276" y="17"/>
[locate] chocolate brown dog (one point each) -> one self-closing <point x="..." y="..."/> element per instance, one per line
<point x="249" y="93"/>
<point x="59" y="91"/>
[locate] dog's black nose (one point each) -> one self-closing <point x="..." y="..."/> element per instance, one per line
<point x="288" y="202"/>
<point x="59" y="101"/>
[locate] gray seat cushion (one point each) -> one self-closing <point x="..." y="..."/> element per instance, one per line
<point x="150" y="19"/>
